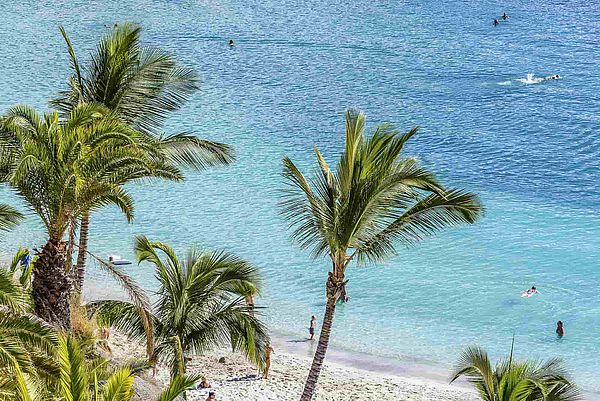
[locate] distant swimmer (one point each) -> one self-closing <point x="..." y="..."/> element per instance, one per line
<point x="552" y="77"/>
<point x="504" y="16"/>
<point x="231" y="42"/>
<point x="560" y="329"/>
<point x="496" y="22"/>
<point x="530" y="292"/>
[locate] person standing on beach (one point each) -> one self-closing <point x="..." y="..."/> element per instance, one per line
<point x="560" y="329"/>
<point x="268" y="352"/>
<point x="311" y="327"/>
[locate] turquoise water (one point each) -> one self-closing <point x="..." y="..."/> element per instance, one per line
<point x="530" y="150"/>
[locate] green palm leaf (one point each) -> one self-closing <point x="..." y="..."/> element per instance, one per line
<point x="9" y="217"/>
<point x="119" y="386"/>
<point x="74" y="381"/>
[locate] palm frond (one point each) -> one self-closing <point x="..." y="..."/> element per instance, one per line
<point x="74" y="381"/>
<point x="177" y="387"/>
<point x="138" y="297"/>
<point x="12" y="295"/>
<point x="119" y="386"/>
<point x="9" y="217"/>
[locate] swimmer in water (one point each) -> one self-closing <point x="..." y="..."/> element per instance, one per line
<point x="560" y="329"/>
<point x="504" y="16"/>
<point x="552" y="77"/>
<point x="231" y="42"/>
<point x="533" y="290"/>
<point x="496" y="22"/>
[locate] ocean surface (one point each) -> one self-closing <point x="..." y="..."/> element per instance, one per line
<point x="530" y="149"/>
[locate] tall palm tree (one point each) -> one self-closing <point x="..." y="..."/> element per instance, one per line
<point x="515" y="381"/>
<point x="198" y="306"/>
<point x="48" y="161"/>
<point x="375" y="198"/>
<point x="141" y="86"/>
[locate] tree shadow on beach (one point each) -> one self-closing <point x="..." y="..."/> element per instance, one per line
<point x="245" y="378"/>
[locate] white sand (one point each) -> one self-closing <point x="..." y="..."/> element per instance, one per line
<point x="237" y="380"/>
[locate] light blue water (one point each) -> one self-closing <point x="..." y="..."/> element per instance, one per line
<point x="531" y="151"/>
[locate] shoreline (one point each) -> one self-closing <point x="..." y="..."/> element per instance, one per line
<point x="351" y="371"/>
<point x="293" y="356"/>
<point x="236" y="379"/>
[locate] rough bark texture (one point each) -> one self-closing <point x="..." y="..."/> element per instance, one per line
<point x="82" y="251"/>
<point x="335" y="287"/>
<point x="51" y="286"/>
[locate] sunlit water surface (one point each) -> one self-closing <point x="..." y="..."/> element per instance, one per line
<point x="529" y="148"/>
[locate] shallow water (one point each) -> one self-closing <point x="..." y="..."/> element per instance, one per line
<point x="531" y="151"/>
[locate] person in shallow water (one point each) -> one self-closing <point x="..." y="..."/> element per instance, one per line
<point x="496" y="22"/>
<point x="560" y="329"/>
<point x="504" y="16"/>
<point x="311" y="328"/>
<point x="231" y="42"/>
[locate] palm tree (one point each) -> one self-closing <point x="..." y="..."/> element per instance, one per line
<point x="80" y="383"/>
<point x="141" y="86"/>
<point x="54" y="165"/>
<point x="198" y="306"/>
<point x="375" y="198"/>
<point x="515" y="381"/>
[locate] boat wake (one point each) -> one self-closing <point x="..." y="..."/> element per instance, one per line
<point x="531" y="79"/>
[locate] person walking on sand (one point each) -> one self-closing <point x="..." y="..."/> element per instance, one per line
<point x="311" y="327"/>
<point x="268" y="352"/>
<point x="560" y="329"/>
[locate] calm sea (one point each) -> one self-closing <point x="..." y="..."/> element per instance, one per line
<point x="530" y="149"/>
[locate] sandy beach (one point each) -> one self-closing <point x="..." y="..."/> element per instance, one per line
<point x="237" y="380"/>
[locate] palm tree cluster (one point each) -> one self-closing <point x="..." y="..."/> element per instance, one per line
<point x="106" y="130"/>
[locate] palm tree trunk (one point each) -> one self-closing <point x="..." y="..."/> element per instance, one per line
<point x="317" y="364"/>
<point x="82" y="251"/>
<point x="51" y="286"/>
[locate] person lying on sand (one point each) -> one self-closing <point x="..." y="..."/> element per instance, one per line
<point x="211" y="396"/>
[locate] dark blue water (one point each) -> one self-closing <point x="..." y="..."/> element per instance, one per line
<point x="530" y="150"/>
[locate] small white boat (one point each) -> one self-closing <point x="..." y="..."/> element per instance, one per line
<point x="117" y="260"/>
